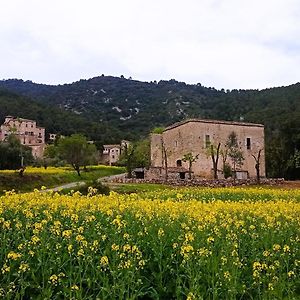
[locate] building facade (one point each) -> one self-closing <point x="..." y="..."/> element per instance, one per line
<point x="27" y="132"/>
<point x="195" y="136"/>
<point x="111" y="153"/>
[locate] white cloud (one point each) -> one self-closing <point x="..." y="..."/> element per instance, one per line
<point x="230" y="44"/>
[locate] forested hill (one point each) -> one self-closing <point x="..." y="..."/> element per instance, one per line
<point x="54" y="119"/>
<point x="135" y="107"/>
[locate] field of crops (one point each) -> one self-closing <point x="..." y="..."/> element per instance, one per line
<point x="173" y="244"/>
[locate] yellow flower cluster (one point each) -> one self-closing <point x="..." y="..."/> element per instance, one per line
<point x="242" y="241"/>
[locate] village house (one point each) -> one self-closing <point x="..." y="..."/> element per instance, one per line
<point x="111" y="153"/>
<point x="27" y="132"/>
<point x="195" y="136"/>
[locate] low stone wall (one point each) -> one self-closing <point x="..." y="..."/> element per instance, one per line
<point x="203" y="182"/>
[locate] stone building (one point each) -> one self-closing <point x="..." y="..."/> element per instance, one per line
<point x="111" y="153"/>
<point x="27" y="132"/>
<point x="195" y="136"/>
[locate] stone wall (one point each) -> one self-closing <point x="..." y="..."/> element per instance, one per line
<point x="202" y="182"/>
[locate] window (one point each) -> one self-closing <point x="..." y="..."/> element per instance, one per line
<point x="113" y="157"/>
<point x="248" y="143"/>
<point x="112" y="151"/>
<point x="179" y="163"/>
<point x="26" y="125"/>
<point x="176" y="143"/>
<point x="207" y="140"/>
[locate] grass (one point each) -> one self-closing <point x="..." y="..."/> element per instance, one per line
<point x="51" y="177"/>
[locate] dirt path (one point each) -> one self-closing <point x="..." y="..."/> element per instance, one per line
<point x="291" y="184"/>
<point x="81" y="183"/>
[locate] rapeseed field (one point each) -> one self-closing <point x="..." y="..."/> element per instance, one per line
<point x="191" y="243"/>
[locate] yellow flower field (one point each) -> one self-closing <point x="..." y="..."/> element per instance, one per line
<point x="191" y="243"/>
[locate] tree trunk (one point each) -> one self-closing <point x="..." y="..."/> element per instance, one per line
<point x="190" y="170"/>
<point x="77" y="169"/>
<point x="21" y="172"/>
<point x="215" y="159"/>
<point x="257" y="172"/>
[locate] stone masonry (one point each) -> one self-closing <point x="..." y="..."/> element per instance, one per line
<point x="195" y="135"/>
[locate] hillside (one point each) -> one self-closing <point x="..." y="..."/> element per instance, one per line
<point x="135" y="107"/>
<point x="54" y="119"/>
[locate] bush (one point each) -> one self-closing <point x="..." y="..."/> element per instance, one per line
<point x="101" y="189"/>
<point x="227" y="171"/>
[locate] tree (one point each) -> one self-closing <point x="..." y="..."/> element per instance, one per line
<point x="142" y="153"/>
<point x="235" y="154"/>
<point x="214" y="153"/>
<point x="127" y="158"/>
<point x="14" y="155"/>
<point x="257" y="165"/>
<point x="188" y="157"/>
<point x="75" y="150"/>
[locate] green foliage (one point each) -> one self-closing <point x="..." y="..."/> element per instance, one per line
<point x="142" y="153"/>
<point x="227" y="170"/>
<point x="190" y="158"/>
<point x="158" y="130"/>
<point x="76" y="151"/>
<point x="11" y="153"/>
<point x="135" y="155"/>
<point x="93" y="188"/>
<point x="234" y="152"/>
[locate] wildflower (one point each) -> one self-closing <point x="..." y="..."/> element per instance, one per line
<point x="286" y="249"/>
<point x="227" y="275"/>
<point x="210" y="239"/>
<point x="141" y="263"/>
<point x="70" y="248"/>
<point x="53" y="279"/>
<point x="24" y="267"/>
<point x="5" y="269"/>
<point x="189" y="237"/>
<point x="190" y="296"/>
<point x="67" y="233"/>
<point x="291" y="274"/>
<point x="13" y="255"/>
<point x="160" y="232"/>
<point x="115" y="247"/>
<point x="74" y="287"/>
<point x="80" y="252"/>
<point x="104" y="261"/>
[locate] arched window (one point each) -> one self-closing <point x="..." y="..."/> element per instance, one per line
<point x="179" y="163"/>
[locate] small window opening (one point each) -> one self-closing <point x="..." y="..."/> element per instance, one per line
<point x="248" y="142"/>
<point x="179" y="163"/>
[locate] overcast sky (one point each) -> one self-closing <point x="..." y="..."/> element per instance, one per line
<point x="219" y="43"/>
